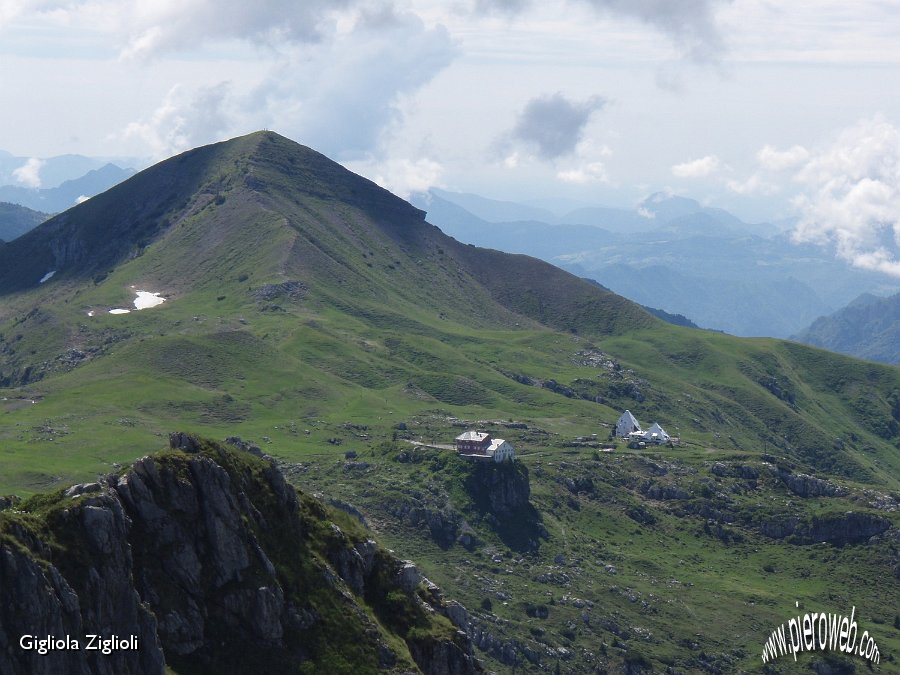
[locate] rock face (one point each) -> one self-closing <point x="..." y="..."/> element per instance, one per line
<point x="441" y="658"/>
<point x="803" y="485"/>
<point x="654" y="490"/>
<point x="420" y="511"/>
<point x="503" y="489"/>
<point x="214" y="564"/>
<point x="500" y="495"/>
<point x="836" y="528"/>
<point x="90" y="593"/>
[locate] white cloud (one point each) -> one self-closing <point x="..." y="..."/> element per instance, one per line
<point x="150" y="28"/>
<point x="512" y="161"/>
<point x="12" y="9"/>
<point x="183" y="120"/>
<point x="341" y="97"/>
<point x="156" y="26"/>
<point x="402" y="176"/>
<point x="697" y="168"/>
<point x="755" y="184"/>
<point x="689" y="24"/>
<point x="592" y="172"/>
<point x="29" y="174"/>
<point x="851" y="196"/>
<point x="780" y="160"/>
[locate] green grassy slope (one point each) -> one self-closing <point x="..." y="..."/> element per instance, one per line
<point x="623" y="573"/>
<point x="295" y="289"/>
<point x="313" y="312"/>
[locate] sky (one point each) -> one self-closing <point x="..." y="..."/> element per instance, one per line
<point x="773" y="110"/>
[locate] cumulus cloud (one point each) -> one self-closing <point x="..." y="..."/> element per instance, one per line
<point x="402" y="176"/>
<point x="592" y="172"/>
<point x="29" y="174"/>
<point x="754" y="185"/>
<point x="339" y="96"/>
<point x="183" y="120"/>
<point x="851" y="196"/>
<point x="551" y="127"/>
<point x="150" y="28"/>
<point x="772" y="162"/>
<point x="160" y="25"/>
<point x="697" y="168"/>
<point x="690" y="24"/>
<point x="780" y="160"/>
<point x="11" y="9"/>
<point x="147" y="28"/>
<point x="342" y="96"/>
<point x="500" y="6"/>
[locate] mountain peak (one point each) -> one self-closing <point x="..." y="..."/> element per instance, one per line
<point x="261" y="209"/>
<point x="119" y="224"/>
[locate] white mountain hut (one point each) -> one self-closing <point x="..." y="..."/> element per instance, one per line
<point x="500" y="450"/>
<point x="656" y="434"/>
<point x="627" y="424"/>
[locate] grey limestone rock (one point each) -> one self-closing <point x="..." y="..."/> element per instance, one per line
<point x="179" y="552"/>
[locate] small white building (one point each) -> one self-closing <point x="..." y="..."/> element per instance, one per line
<point x="656" y="434"/>
<point x="479" y="446"/>
<point x="500" y="450"/>
<point x="627" y="424"/>
<point x="629" y="428"/>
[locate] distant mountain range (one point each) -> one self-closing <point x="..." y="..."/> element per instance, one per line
<point x="671" y="252"/>
<point x="66" y="195"/>
<point x="658" y="211"/>
<point x="674" y="319"/>
<point x="869" y="327"/>
<point x="52" y="172"/>
<point x="16" y="220"/>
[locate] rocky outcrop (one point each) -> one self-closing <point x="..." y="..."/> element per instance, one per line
<point x="89" y="592"/>
<point x="443" y="524"/>
<point x="653" y="490"/>
<point x="836" y="528"/>
<point x="499" y="494"/>
<point x="582" y="484"/>
<point x="209" y="562"/>
<point x="501" y="488"/>
<point x="745" y="471"/>
<point x="508" y="652"/>
<point x="443" y="658"/>
<point x="292" y="290"/>
<point x="803" y="485"/>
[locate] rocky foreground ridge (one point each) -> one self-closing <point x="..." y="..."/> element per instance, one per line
<point x="211" y="562"/>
